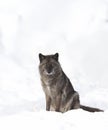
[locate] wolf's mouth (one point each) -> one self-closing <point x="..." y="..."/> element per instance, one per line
<point x="49" y="73"/>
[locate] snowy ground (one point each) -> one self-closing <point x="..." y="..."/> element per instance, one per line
<point x="78" y="31"/>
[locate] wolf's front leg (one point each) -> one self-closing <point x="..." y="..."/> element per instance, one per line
<point x="48" y="103"/>
<point x="57" y="103"/>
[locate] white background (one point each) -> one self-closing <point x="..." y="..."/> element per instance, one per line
<point x="78" y="31"/>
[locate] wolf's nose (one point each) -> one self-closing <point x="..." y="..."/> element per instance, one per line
<point x="49" y="71"/>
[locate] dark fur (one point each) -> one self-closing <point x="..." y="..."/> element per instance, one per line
<point x="59" y="92"/>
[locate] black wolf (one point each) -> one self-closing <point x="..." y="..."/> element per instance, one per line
<point x="59" y="92"/>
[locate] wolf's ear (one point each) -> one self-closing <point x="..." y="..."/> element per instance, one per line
<point x="41" y="57"/>
<point x="56" y="56"/>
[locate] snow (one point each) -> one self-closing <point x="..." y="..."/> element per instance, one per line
<point x="54" y="120"/>
<point x="78" y="31"/>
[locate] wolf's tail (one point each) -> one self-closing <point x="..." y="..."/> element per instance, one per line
<point x="90" y="109"/>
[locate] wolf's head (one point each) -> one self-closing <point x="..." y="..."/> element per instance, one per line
<point x="49" y="65"/>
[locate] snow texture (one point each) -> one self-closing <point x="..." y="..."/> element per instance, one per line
<point x="78" y="31"/>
